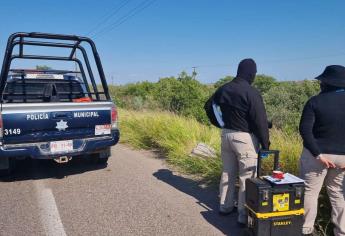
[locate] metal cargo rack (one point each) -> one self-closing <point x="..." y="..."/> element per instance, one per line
<point x="40" y="40"/>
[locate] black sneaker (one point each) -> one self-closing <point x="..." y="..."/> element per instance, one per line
<point x="241" y="225"/>
<point x="226" y="213"/>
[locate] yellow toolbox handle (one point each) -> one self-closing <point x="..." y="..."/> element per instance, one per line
<point x="275" y="214"/>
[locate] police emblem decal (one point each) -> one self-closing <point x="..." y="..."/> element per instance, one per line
<point x="61" y="125"/>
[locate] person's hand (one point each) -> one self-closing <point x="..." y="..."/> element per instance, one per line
<point x="326" y="162"/>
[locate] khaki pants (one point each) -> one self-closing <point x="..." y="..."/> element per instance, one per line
<point x="239" y="156"/>
<point x="315" y="175"/>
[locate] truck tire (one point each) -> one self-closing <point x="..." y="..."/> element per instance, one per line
<point x="102" y="156"/>
<point x="7" y="166"/>
<point x="102" y="160"/>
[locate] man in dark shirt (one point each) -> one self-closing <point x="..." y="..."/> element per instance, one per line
<point x="245" y="127"/>
<point x="322" y="128"/>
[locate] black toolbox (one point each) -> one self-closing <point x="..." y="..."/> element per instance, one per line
<point x="275" y="207"/>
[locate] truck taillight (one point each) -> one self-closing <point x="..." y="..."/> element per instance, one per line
<point x="113" y="118"/>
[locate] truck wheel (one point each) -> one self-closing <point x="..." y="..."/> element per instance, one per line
<point x="102" y="160"/>
<point x="102" y="156"/>
<point x="7" y="166"/>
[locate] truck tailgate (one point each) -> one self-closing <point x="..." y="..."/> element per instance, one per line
<point x="41" y="122"/>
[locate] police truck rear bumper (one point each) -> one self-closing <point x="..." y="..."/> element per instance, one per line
<point x="41" y="150"/>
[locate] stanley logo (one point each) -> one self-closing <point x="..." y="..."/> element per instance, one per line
<point x="282" y="223"/>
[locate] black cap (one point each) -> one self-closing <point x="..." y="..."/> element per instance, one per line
<point x="333" y="75"/>
<point x="247" y="70"/>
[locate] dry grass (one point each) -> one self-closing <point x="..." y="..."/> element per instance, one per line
<point x="176" y="136"/>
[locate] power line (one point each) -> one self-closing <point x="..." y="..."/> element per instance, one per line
<point x="106" y="17"/>
<point x="135" y="11"/>
<point x="140" y="7"/>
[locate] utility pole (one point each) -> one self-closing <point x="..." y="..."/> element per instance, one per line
<point x="194" y="72"/>
<point x="112" y="80"/>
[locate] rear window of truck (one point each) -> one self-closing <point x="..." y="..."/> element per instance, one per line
<point x="43" y="90"/>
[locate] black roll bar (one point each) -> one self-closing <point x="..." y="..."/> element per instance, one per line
<point x="21" y="47"/>
<point x="52" y="58"/>
<point x="74" y="47"/>
<point x="12" y="42"/>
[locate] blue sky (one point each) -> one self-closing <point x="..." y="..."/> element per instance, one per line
<point x="290" y="40"/>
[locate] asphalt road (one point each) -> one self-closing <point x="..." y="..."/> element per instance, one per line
<point x="135" y="194"/>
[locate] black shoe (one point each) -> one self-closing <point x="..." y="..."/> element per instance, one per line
<point x="241" y="225"/>
<point x="226" y="213"/>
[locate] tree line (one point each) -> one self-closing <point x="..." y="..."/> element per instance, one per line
<point x="186" y="96"/>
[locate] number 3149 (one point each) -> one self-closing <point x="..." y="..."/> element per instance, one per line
<point x="12" y="131"/>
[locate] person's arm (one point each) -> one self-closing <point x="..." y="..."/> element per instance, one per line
<point x="258" y="118"/>
<point x="306" y="129"/>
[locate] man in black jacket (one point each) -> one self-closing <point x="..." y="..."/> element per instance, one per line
<point x="322" y="128"/>
<point x="245" y="127"/>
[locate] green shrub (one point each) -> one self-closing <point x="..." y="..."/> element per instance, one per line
<point x="183" y="95"/>
<point x="186" y="96"/>
<point x="222" y="81"/>
<point x="285" y="101"/>
<point x="264" y="83"/>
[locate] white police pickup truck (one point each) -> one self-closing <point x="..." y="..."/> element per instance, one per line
<point x="54" y="114"/>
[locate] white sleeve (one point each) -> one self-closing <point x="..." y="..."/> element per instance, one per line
<point x="218" y="114"/>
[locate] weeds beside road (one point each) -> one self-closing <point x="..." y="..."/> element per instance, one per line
<point x="176" y="136"/>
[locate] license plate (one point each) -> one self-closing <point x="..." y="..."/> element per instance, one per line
<point x="102" y="129"/>
<point x="61" y="146"/>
